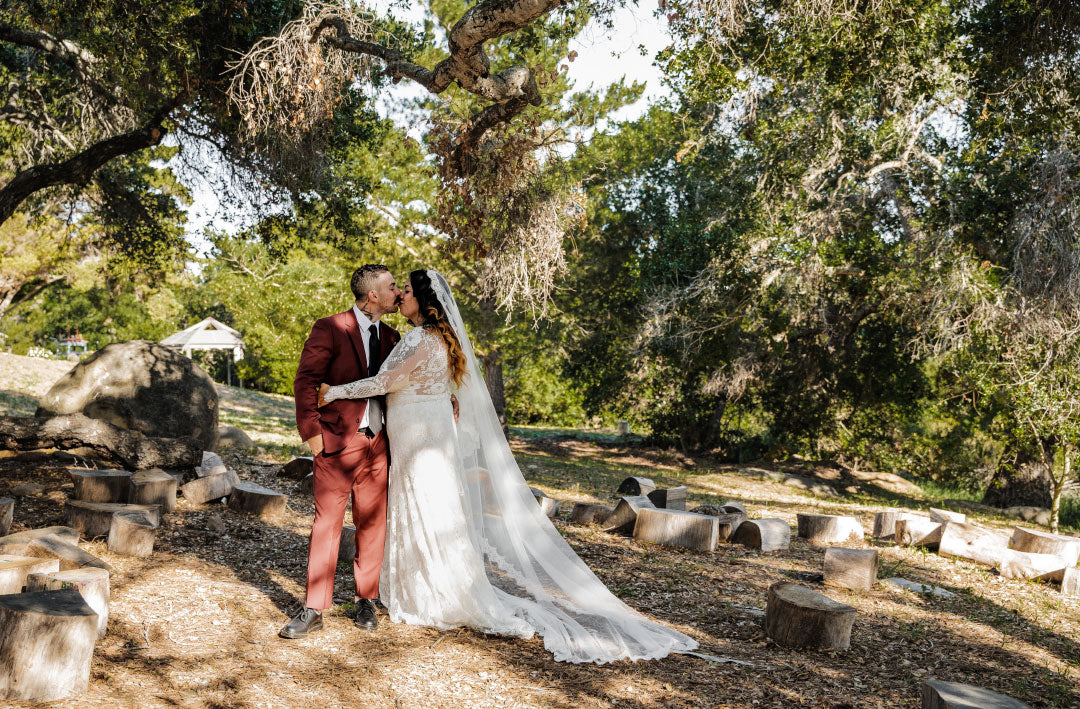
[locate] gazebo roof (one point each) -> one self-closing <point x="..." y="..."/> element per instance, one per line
<point x="208" y="334"/>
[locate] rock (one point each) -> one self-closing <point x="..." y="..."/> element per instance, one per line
<point x="233" y="437"/>
<point x="212" y="464"/>
<point x="938" y="515"/>
<point x="636" y="487"/>
<point x="1033" y="540"/>
<point x="307" y="485"/>
<point x="797" y="617"/>
<point x="46" y="642"/>
<point x="966" y="541"/>
<point x="768" y="534"/>
<point x="938" y="694"/>
<point x="101" y="485"/>
<point x="828" y="529"/>
<point x="590" y="513"/>
<point x="298" y="468"/>
<point x="624" y="517"/>
<point x="670" y="498"/>
<point x="15" y="568"/>
<point x="94" y="519"/>
<point x="712" y="510"/>
<point x="140" y="386"/>
<point x="27" y="490"/>
<point x="918" y="587"/>
<point x="7" y="514"/>
<point x="131" y="534"/>
<point x="855" y="569"/>
<point x="91" y="583"/>
<point x="211" y="487"/>
<point x="256" y="499"/>
<point x="153" y="487"/>
<point x="914" y="531"/>
<point x="677" y="528"/>
<point x="215" y="524"/>
<point x="1038" y="515"/>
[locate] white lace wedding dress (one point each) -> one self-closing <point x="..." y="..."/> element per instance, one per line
<point x="466" y="542"/>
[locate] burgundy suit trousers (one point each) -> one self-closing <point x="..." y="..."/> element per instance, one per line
<point x="360" y="470"/>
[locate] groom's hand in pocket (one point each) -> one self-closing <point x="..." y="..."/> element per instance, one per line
<point x="315" y="444"/>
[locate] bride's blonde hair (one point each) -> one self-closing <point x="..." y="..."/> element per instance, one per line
<point x="434" y="319"/>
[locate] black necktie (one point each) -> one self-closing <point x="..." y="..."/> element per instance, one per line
<point x="374" y="351"/>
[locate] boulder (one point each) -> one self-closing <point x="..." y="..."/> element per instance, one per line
<point x="140" y="386"/>
<point x="233" y="437"/>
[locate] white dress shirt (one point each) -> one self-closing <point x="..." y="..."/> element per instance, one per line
<point x="365" y="335"/>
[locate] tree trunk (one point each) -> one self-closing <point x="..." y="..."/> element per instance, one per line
<point x="1059" y="487"/>
<point x="491" y="361"/>
<point x="1021" y="479"/>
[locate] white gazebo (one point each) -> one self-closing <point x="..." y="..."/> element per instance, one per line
<point x="209" y="334"/>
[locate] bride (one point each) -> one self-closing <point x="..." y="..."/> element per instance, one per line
<point x="466" y="542"/>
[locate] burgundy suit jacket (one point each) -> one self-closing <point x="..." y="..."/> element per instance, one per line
<point x="334" y="353"/>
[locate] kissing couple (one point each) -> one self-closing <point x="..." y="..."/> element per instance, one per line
<point x="454" y="537"/>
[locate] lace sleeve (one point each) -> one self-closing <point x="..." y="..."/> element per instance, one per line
<point x="406" y="357"/>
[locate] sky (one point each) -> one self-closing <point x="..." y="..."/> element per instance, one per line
<point x="603" y="57"/>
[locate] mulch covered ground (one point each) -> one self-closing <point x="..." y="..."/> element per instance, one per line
<point x="196" y="624"/>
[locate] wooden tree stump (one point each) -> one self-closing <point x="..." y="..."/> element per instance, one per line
<point x="7" y="513"/>
<point x="14" y="569"/>
<point x="669" y="498"/>
<point x="1032" y="540"/>
<point x="590" y="513"/>
<point x="939" y="694"/>
<point x="306" y="486"/>
<point x="212" y="464"/>
<point x="347" y="547"/>
<point x="624" y="517"/>
<point x="677" y="528"/>
<point x="636" y="487"/>
<point x="768" y="534"/>
<point x="256" y="499"/>
<point x="210" y="487"/>
<point x="732" y="507"/>
<point x="851" y="568"/>
<point x="947" y="516"/>
<point x="727" y="524"/>
<point x="67" y="534"/>
<point x="94" y="519"/>
<point x="885" y="522"/>
<point x="50" y="546"/>
<point x="131" y="534"/>
<point x="1015" y="564"/>
<point x="966" y="541"/>
<point x="823" y="530"/>
<point x="1070" y="582"/>
<point x="154" y="487"/>
<point x="548" y="505"/>
<point x="916" y="531"/>
<point x="101" y="485"/>
<point x="46" y="642"/>
<point x="298" y="468"/>
<point x="92" y="585"/>
<point x="797" y="617"/>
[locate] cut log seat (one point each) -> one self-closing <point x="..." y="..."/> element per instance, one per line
<point x="1070" y="582"/>
<point x="131" y="534"/>
<point x="52" y="546"/>
<point x="728" y="523"/>
<point x="636" y="487"/>
<point x="624" y="517"/>
<point x="798" y="617"/>
<point x="669" y="498"/>
<point x="855" y="569"/>
<point x="939" y="694"/>
<point x="298" y="468"/>
<point x="913" y="531"/>
<point x="92" y="584"/>
<point x="824" y="530"/>
<point x="885" y="522"/>
<point x="101" y="485"/>
<point x="7" y="513"/>
<point x="677" y="528"/>
<point x="207" y="488"/>
<point x="94" y="519"/>
<point x="548" y="505"/>
<point x="347" y="546"/>
<point x="590" y="513"/>
<point x="153" y="487"/>
<point x="46" y="642"/>
<point x="770" y="534"/>
<point x="212" y="464"/>
<point x="1033" y="540"/>
<point x="943" y="516"/>
<point x="67" y="534"/>
<point x="14" y="569"/>
<point x="966" y="541"/>
<point x="256" y="499"/>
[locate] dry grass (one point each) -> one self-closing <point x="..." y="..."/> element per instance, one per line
<point x="195" y="625"/>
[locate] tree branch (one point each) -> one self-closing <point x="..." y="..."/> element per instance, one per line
<point x="65" y="50"/>
<point x="80" y="168"/>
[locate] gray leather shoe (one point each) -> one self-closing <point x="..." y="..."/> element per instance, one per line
<point x="309" y="621"/>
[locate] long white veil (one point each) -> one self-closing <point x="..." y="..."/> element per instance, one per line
<point x="531" y="566"/>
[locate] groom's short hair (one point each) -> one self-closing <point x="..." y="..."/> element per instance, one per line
<point x="363" y="279"/>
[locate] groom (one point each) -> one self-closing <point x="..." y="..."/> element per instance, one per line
<point x="349" y="446"/>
